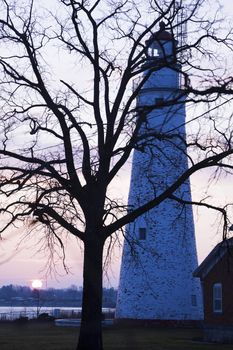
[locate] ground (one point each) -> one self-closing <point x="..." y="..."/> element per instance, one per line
<point x="50" y="337"/>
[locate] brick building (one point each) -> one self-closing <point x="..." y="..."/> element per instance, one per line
<point x="216" y="275"/>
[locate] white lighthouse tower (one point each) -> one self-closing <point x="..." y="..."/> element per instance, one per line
<point x="159" y="252"/>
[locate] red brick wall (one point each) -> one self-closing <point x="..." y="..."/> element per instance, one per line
<point x="221" y="273"/>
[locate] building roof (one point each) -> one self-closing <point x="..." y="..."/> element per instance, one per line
<point x="213" y="258"/>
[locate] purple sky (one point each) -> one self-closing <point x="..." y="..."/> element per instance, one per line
<point x="22" y="265"/>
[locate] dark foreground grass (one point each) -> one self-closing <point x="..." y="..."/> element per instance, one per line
<point x="49" y="337"/>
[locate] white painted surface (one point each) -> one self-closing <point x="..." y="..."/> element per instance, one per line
<point x="156" y="273"/>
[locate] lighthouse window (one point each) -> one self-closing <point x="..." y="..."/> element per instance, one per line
<point x="153" y="52"/>
<point x="194" y="300"/>
<point x="142" y="233"/>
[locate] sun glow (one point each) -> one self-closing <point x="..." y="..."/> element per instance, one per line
<point x="37" y="284"/>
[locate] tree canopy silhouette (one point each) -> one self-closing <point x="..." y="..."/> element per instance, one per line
<point x="69" y="120"/>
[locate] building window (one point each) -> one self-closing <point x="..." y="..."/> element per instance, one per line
<point x="217" y="297"/>
<point x="142" y="233"/>
<point x="194" y="300"/>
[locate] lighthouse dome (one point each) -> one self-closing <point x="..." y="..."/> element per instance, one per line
<point x="162" y="34"/>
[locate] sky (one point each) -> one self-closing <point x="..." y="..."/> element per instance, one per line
<point x="21" y="264"/>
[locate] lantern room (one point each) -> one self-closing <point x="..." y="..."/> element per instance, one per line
<point x="161" y="45"/>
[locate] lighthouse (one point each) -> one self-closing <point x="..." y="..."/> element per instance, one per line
<point x="159" y="253"/>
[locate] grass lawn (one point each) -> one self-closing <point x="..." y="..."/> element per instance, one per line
<point x="49" y="337"/>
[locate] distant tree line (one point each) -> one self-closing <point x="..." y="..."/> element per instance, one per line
<point x="14" y="295"/>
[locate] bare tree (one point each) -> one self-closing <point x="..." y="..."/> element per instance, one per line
<point x="64" y="142"/>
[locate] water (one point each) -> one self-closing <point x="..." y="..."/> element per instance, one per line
<point x="13" y="312"/>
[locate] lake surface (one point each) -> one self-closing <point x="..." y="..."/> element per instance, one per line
<point x="14" y="312"/>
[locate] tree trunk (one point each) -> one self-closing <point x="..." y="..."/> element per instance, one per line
<point x="90" y="337"/>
